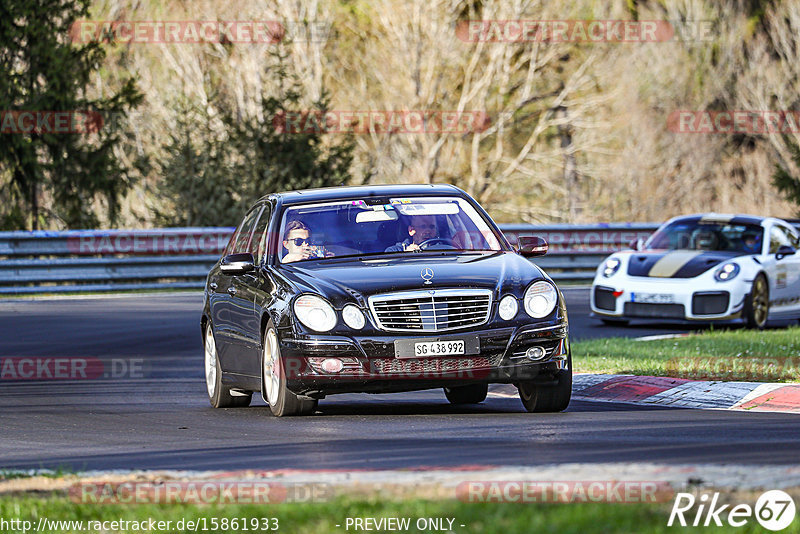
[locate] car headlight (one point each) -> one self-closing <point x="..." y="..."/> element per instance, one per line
<point x="540" y="299"/>
<point x="508" y="307"/>
<point x="610" y="267"/>
<point x="727" y="272"/>
<point x="315" y="313"/>
<point x="353" y="317"/>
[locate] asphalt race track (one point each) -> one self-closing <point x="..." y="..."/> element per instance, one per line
<point x="149" y="409"/>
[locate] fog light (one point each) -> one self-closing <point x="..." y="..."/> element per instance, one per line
<point x="332" y="365"/>
<point x="535" y="353"/>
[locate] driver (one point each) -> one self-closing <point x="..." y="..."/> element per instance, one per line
<point x="752" y="242"/>
<point x="705" y="240"/>
<point x="420" y="229"/>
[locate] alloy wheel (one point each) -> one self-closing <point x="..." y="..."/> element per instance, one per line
<point x="760" y="302"/>
<point x="211" y="362"/>
<point x="271" y="371"/>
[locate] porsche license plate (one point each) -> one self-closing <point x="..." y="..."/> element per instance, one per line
<point x="439" y="348"/>
<point x="653" y="298"/>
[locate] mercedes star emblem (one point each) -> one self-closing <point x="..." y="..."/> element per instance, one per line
<point x="427" y="274"/>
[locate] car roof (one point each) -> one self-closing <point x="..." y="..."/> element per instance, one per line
<point x="363" y="191"/>
<point x="723" y="217"/>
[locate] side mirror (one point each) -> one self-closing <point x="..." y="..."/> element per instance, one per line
<point x="237" y="263"/>
<point x="637" y="244"/>
<point x="532" y="246"/>
<point x="785" y="250"/>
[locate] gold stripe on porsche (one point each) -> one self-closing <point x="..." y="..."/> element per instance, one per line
<point x="717" y="217"/>
<point x="672" y="262"/>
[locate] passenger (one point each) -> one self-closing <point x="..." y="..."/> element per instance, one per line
<point x="420" y="229"/>
<point x="297" y="241"/>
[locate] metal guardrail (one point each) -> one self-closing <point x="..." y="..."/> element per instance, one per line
<point x="108" y="260"/>
<point x="577" y="250"/>
<point x="180" y="258"/>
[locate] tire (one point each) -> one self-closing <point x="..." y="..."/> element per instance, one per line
<point x="219" y="395"/>
<point x="282" y="402"/>
<point x="615" y="322"/>
<point x="756" y="305"/>
<point x="538" y="398"/>
<point x="472" y="394"/>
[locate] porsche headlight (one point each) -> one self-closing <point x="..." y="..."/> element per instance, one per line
<point x="540" y="299"/>
<point x="610" y="267"/>
<point x="508" y="307"/>
<point x="315" y="313"/>
<point x="727" y="272"/>
<point x="353" y="317"/>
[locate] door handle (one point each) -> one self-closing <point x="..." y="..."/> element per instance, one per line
<point x="231" y="291"/>
<point x="213" y="286"/>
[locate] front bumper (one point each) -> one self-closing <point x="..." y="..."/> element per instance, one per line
<point x="625" y="298"/>
<point x="371" y="363"/>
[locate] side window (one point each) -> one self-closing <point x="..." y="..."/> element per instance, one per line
<point x="777" y="238"/>
<point x="230" y="246"/>
<point x="231" y="241"/>
<point x="794" y="239"/>
<point x="258" y="245"/>
<point x="242" y="243"/>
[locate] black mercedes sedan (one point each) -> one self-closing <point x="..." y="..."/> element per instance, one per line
<point x="380" y="289"/>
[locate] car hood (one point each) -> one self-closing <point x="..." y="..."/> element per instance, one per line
<point x="675" y="263"/>
<point x="342" y="280"/>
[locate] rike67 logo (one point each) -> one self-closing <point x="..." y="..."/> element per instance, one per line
<point x="774" y="510"/>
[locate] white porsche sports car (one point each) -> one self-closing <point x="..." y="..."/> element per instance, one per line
<point x="706" y="267"/>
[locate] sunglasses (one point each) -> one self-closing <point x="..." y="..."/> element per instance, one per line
<point x="299" y="241"/>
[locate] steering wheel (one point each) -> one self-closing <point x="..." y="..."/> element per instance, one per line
<point x="434" y="240"/>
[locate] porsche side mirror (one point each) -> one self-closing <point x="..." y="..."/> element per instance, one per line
<point x="785" y="250"/>
<point x="237" y="263"/>
<point x="637" y="244"/>
<point x="532" y="246"/>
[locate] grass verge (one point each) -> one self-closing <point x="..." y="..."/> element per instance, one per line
<point x="746" y="355"/>
<point x="483" y="518"/>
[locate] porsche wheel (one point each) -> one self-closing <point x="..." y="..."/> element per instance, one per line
<point x="756" y="306"/>
<point x="541" y="398"/>
<point x="282" y="402"/>
<point x="220" y="395"/>
<point x="472" y="394"/>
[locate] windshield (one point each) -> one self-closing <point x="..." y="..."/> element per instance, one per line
<point x="710" y="236"/>
<point x="379" y="226"/>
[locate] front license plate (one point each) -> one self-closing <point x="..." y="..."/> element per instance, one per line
<point x="438" y="348"/>
<point x="653" y="298"/>
<point x="434" y="348"/>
